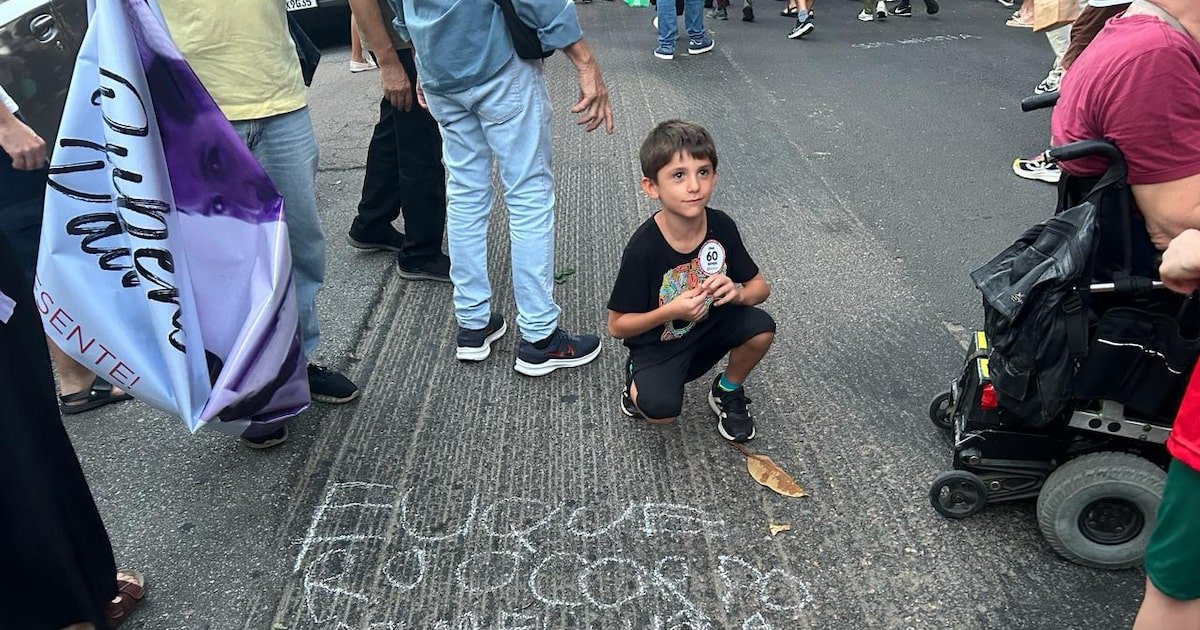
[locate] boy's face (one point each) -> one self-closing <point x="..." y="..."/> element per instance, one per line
<point x="684" y="185"/>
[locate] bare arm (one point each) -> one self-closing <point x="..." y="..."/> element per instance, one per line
<point x="594" y="108"/>
<point x="22" y="144"/>
<point x="394" y="80"/>
<point x="689" y="305"/>
<point x="1169" y="208"/>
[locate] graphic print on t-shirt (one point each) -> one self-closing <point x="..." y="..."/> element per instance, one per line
<point x="686" y="277"/>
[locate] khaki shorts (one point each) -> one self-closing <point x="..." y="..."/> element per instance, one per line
<point x="1173" y="553"/>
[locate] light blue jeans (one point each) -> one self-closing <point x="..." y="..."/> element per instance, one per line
<point x="506" y="117"/>
<point x="668" y="27"/>
<point x="286" y="148"/>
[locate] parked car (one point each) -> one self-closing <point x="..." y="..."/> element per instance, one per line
<point x="38" y="43"/>
<point x="321" y="15"/>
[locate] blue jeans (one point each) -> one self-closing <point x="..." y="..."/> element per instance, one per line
<point x="286" y="148"/>
<point x="508" y="116"/>
<point x="668" y="29"/>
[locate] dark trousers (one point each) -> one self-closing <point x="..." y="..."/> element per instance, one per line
<point x="404" y="173"/>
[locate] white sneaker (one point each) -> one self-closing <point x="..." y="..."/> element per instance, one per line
<point x="1051" y="83"/>
<point x="656" y="22"/>
<point x="881" y="11"/>
<point x="362" y="66"/>
<point x="863" y="16"/>
<point x="1038" y="169"/>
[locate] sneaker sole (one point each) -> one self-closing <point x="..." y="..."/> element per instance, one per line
<point x="797" y="34"/>
<point x="1039" y="176"/>
<point x="333" y="400"/>
<point x="701" y="51"/>
<point x="467" y="353"/>
<point x="716" y="409"/>
<point x="549" y="365"/>
<point x="262" y="446"/>
<point x="662" y="56"/>
<point x="908" y="15"/>
<point x="421" y="276"/>
<point x="371" y="247"/>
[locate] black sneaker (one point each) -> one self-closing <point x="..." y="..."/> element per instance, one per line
<point x="733" y="415"/>
<point x="747" y="13"/>
<point x="931" y="7"/>
<point x="476" y="345"/>
<point x="802" y="28"/>
<point x="627" y="406"/>
<point x="902" y="11"/>
<point x="564" y="350"/>
<point x="327" y="386"/>
<point x="390" y="241"/>
<point x="436" y="269"/>
<point x="267" y="441"/>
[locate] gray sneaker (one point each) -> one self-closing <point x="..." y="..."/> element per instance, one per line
<point x="717" y="14"/>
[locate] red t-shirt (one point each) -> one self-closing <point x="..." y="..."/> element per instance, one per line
<point x="1138" y="86"/>
<point x="1184" y="442"/>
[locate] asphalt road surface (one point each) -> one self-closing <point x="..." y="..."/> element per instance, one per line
<point x="868" y="168"/>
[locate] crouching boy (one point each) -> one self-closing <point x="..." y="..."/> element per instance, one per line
<point x="686" y="292"/>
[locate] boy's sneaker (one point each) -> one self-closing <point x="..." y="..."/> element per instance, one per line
<point x="717" y="14"/>
<point x="436" y="269"/>
<point x="1037" y="168"/>
<point x="881" y="11"/>
<point x="747" y="13"/>
<point x="733" y="415"/>
<point x="564" y="350"/>
<point x="700" y="46"/>
<point x="327" y="386"/>
<point x="931" y="7"/>
<point x="902" y="11"/>
<point x="863" y="16"/>
<point x="662" y="52"/>
<point x="801" y="29"/>
<point x="476" y="345"/>
<point x="266" y="441"/>
<point x="627" y="406"/>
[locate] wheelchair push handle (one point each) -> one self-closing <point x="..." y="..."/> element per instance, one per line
<point x="1039" y="101"/>
<point x="1085" y="148"/>
<point x="1129" y="284"/>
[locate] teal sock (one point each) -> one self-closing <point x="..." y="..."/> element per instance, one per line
<point x="727" y="385"/>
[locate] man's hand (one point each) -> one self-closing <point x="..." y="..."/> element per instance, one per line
<point x="1180" y="269"/>
<point x="594" y="108"/>
<point x="722" y="289"/>
<point x="689" y="306"/>
<point x="22" y="144"/>
<point x="421" y="96"/>
<point x="396" y="87"/>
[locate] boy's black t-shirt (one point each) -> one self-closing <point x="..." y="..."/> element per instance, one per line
<point x="652" y="274"/>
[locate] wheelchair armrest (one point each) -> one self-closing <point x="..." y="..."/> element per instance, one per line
<point x="1039" y="101"/>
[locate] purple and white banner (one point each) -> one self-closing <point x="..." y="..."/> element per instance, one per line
<point x="164" y="263"/>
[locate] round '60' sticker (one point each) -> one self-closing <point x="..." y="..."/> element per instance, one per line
<point x="712" y="258"/>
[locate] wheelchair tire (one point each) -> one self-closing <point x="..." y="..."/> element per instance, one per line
<point x="1098" y="510"/>
<point x="958" y="494"/>
<point x="941" y="411"/>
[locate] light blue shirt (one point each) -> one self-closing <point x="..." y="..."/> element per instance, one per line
<point x="462" y="43"/>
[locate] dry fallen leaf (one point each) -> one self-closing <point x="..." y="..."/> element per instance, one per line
<point x="782" y="527"/>
<point x="766" y="472"/>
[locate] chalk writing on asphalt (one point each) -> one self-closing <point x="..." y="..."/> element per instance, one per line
<point x="559" y="556"/>
<point x="931" y="39"/>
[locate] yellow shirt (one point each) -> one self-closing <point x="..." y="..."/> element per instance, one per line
<point x="242" y="52"/>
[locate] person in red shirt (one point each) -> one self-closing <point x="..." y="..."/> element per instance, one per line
<point x="1172" y="599"/>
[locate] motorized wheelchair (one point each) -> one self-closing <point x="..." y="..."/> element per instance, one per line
<point x="1095" y="460"/>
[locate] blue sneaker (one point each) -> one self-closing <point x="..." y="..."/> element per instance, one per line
<point x="564" y="350"/>
<point x="662" y="52"/>
<point x="476" y="345"/>
<point x="700" y="46"/>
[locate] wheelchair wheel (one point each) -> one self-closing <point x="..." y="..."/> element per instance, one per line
<point x="941" y="411"/>
<point x="958" y="494"/>
<point x="1098" y="510"/>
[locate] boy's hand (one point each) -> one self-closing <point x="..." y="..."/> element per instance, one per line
<point x="689" y="306"/>
<point x="22" y="144"/>
<point x="1180" y="269"/>
<point x="722" y="289"/>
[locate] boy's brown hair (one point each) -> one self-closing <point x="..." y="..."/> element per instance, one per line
<point x="669" y="138"/>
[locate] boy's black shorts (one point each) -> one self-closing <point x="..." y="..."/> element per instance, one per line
<point x="661" y="370"/>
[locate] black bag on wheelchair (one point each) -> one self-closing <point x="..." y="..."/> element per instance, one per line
<point x="1035" y="313"/>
